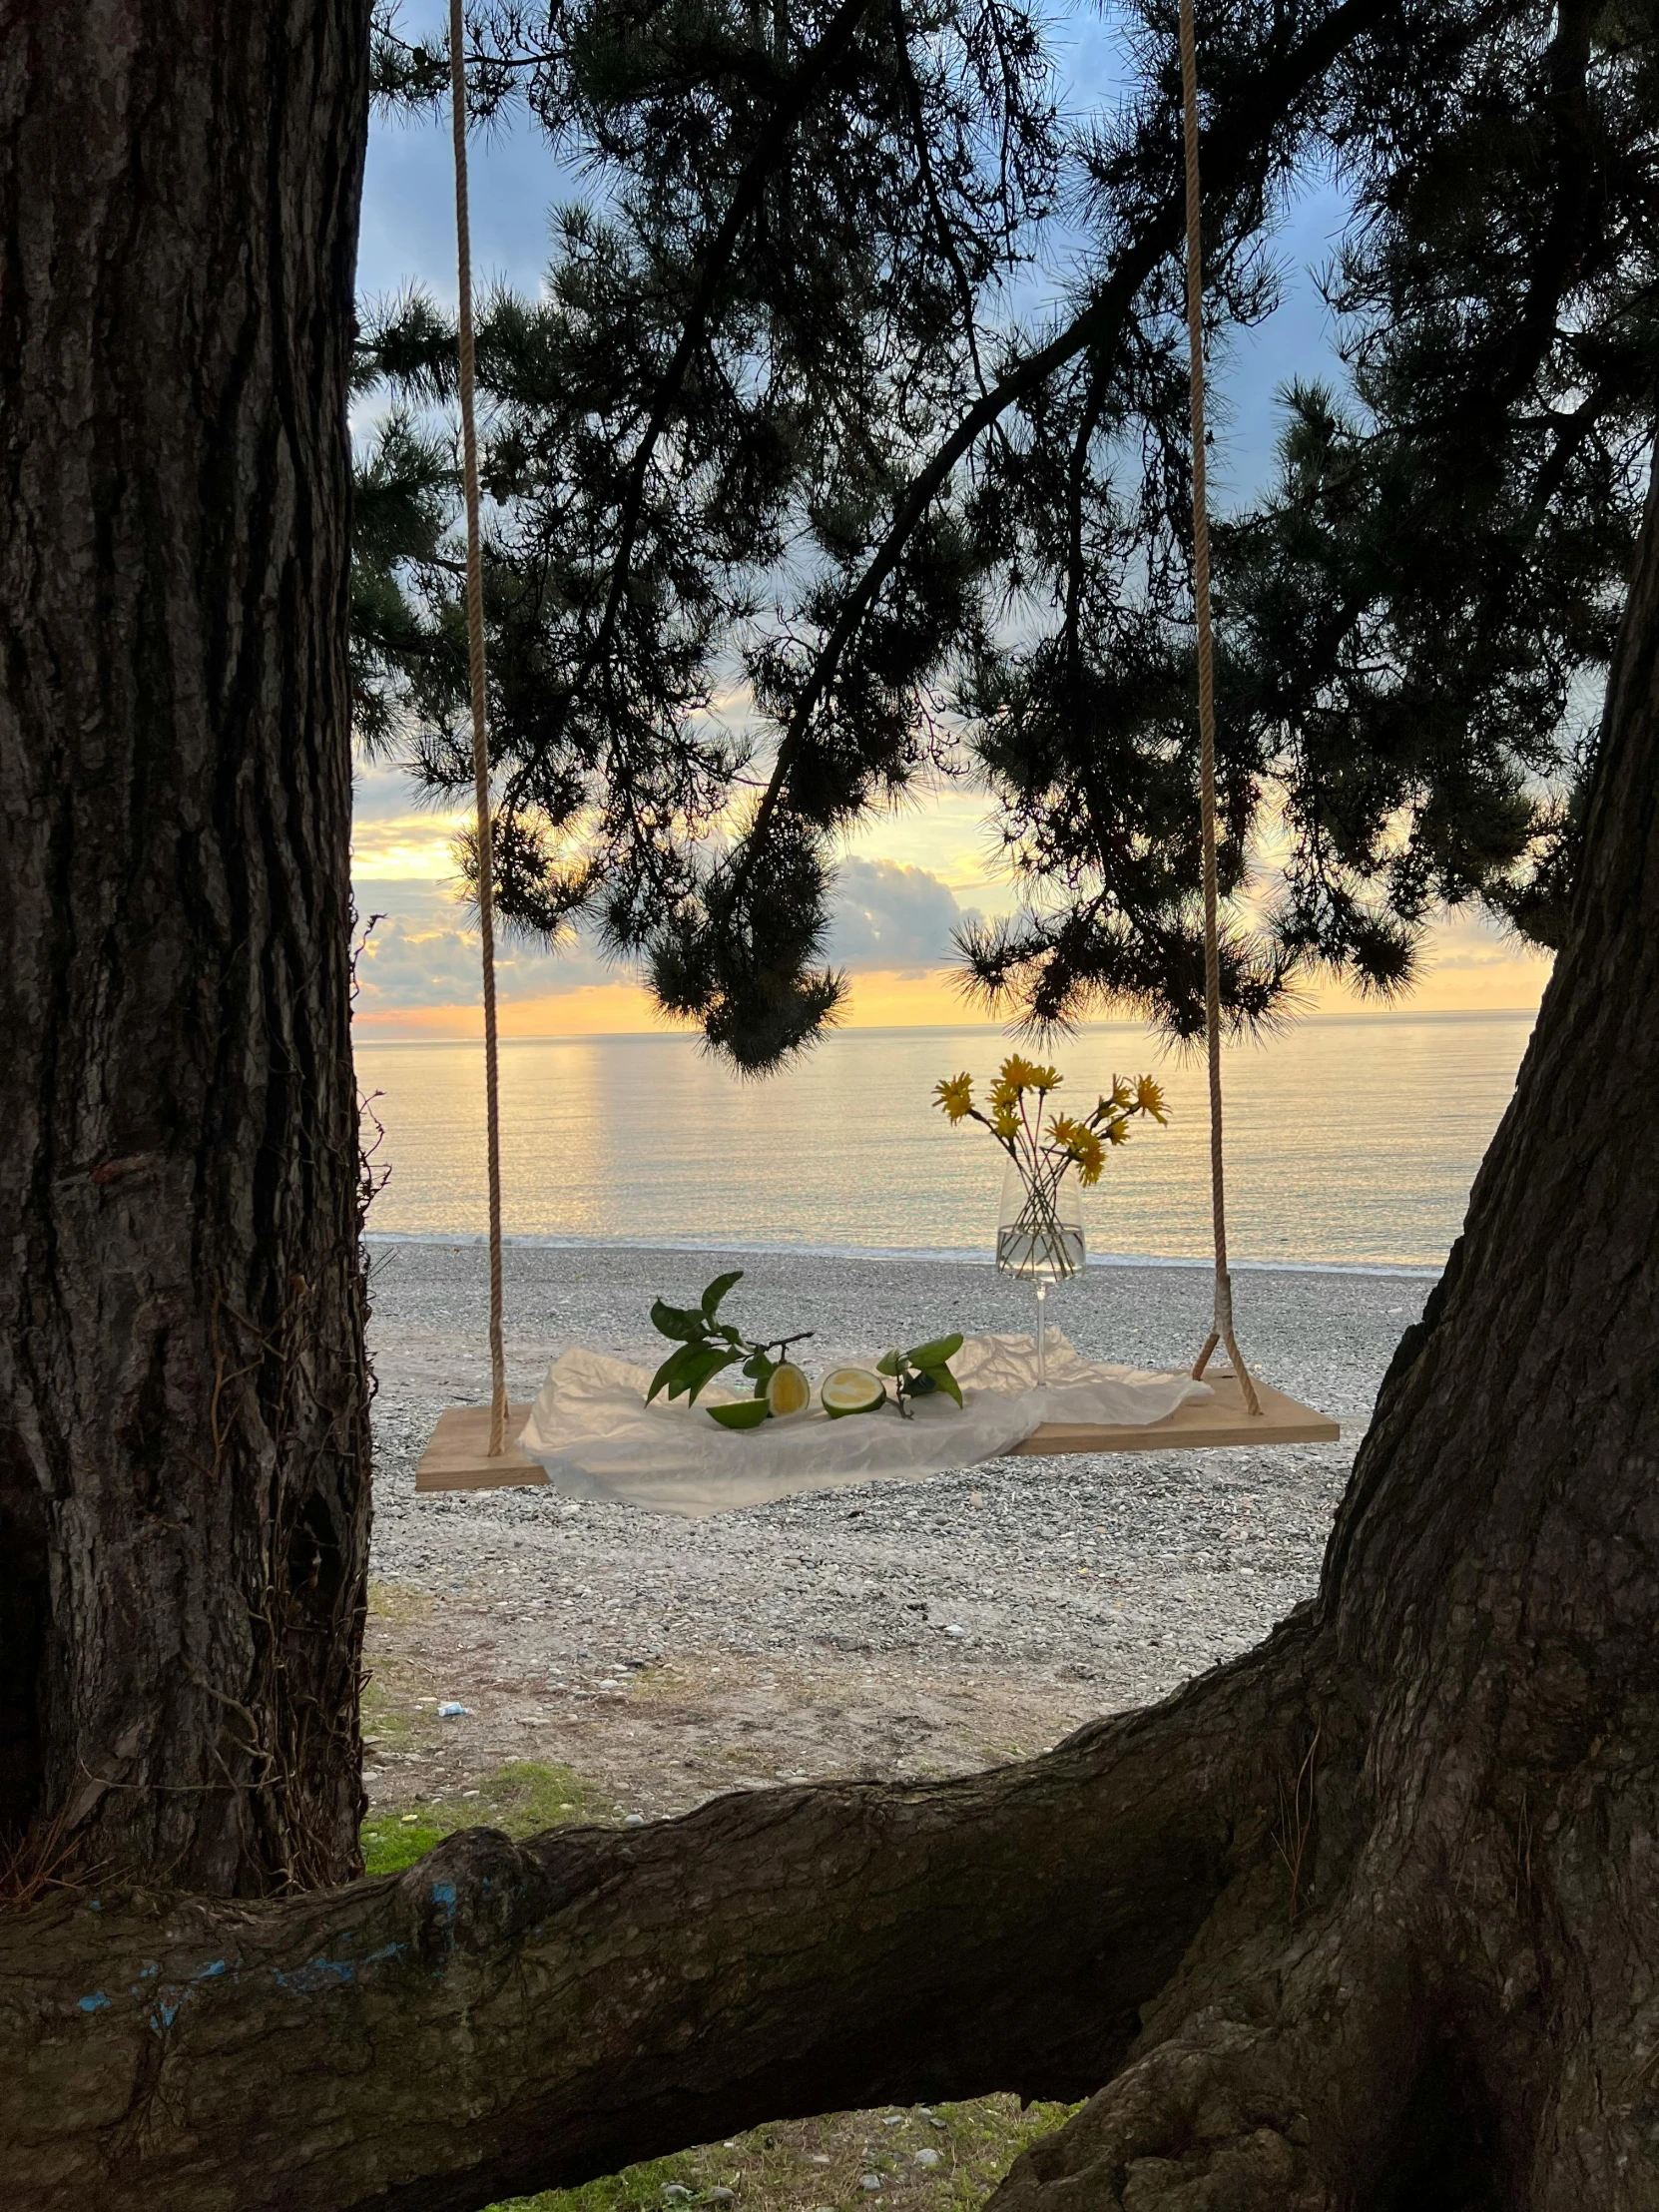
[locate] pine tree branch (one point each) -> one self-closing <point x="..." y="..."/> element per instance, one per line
<point x="935" y="206"/>
<point x="1236" y="141"/>
<point x="775" y="148"/>
<point x="1561" y="245"/>
<point x="1093" y="405"/>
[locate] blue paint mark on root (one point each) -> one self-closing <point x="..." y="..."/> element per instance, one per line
<point x="330" y="1974"/>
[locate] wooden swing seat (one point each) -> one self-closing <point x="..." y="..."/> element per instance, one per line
<point x="457" y="1459"/>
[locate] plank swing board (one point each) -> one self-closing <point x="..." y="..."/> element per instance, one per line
<point x="1223" y="1418"/>
<point x="457" y="1459"/>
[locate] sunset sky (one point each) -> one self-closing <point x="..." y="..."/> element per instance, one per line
<point x="909" y="877"/>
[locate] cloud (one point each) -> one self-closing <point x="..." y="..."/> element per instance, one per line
<point x="423" y="953"/>
<point x="890" y="928"/>
<point x="894" y="919"/>
<point x="396" y="839"/>
<point x="1469" y="937"/>
<point x="383" y="793"/>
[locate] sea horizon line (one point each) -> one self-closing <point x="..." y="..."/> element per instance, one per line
<point x="1356" y="1016"/>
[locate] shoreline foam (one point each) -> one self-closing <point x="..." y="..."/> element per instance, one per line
<point x="463" y="1240"/>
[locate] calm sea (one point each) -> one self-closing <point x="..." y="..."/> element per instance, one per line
<point x="1351" y="1141"/>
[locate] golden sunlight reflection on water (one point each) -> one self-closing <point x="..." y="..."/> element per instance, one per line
<point x="1354" y="1139"/>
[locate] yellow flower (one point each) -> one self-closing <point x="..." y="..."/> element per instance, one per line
<point x="1004" y="1093"/>
<point x="1020" y="1074"/>
<point x="955" y="1096"/>
<point x="1090" y="1157"/>
<point x="1148" y="1098"/>
<point x="1005" y="1123"/>
<point x="1121" y="1096"/>
<point x="1077" y="1138"/>
<point x="1084" y="1149"/>
<point x="1118" y="1130"/>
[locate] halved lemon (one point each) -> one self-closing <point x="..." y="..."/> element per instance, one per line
<point x="851" y="1390"/>
<point x="788" y="1390"/>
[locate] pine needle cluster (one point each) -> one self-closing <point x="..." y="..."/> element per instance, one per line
<point x="845" y="448"/>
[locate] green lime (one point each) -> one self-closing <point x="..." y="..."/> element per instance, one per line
<point x="747" y="1412"/>
<point x="851" y="1390"/>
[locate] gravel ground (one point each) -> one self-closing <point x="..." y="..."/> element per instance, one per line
<point x="624" y="1666"/>
<point x="1125" y="1574"/>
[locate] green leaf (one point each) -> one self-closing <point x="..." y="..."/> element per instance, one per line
<point x="717" y="1289"/>
<point x="935" y="1353"/>
<point x="942" y="1379"/>
<point x="678" y="1321"/>
<point x="667" y="1373"/>
<point x="890" y="1362"/>
<point x="701" y="1364"/>
<point x="919" y="1384"/>
<point x="747" y="1412"/>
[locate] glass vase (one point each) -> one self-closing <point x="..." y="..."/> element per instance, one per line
<point x="1039" y="1237"/>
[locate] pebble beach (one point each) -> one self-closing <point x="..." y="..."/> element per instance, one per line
<point x="1091" y="1581"/>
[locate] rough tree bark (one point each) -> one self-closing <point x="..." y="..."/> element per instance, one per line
<point x="182" y="1400"/>
<point x="1365" y="1920"/>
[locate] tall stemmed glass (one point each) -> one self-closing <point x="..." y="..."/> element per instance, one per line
<point x="1039" y="1233"/>
<point x="1040" y="1223"/>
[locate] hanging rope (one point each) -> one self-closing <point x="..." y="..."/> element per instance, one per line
<point x="480" y="748"/>
<point x="1221" y="1328"/>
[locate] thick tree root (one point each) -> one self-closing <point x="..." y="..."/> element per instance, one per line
<point x="1470" y="2025"/>
<point x="503" y="2019"/>
<point x="1299" y="2002"/>
<point x="1171" y="2134"/>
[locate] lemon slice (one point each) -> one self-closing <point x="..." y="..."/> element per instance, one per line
<point x="747" y="1412"/>
<point x="787" y="1391"/>
<point x="851" y="1390"/>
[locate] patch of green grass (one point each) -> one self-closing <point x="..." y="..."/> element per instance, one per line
<point x="522" y="1798"/>
<point x="385" y="1724"/>
<point x="398" y="1601"/>
<point x="389" y="1846"/>
<point x="820" y="2165"/>
<point x="392" y="1688"/>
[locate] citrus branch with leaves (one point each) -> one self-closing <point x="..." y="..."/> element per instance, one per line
<point x="705" y="1345"/>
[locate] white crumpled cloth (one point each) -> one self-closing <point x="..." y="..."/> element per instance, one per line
<point x="596" y="1438"/>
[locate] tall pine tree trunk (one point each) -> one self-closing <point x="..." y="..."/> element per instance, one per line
<point x="1456" y="2008"/>
<point x="183" y="1404"/>
<point x="1365" y="1921"/>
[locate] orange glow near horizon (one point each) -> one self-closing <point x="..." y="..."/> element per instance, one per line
<point x="892" y="1000"/>
<point x="877" y="1001"/>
